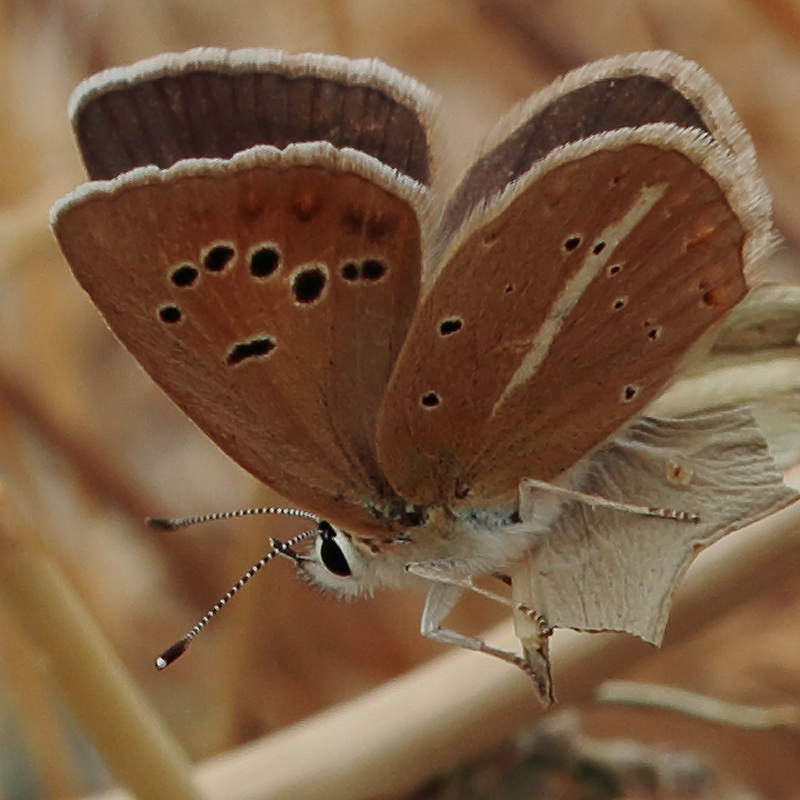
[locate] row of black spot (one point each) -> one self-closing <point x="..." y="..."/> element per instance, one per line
<point x="453" y="324"/>
<point x="307" y="284"/>
<point x="654" y="331"/>
<point x="263" y="261"/>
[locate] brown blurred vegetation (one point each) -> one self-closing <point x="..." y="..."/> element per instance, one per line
<point x="89" y="446"/>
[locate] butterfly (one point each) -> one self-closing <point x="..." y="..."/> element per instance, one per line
<point x="448" y="389"/>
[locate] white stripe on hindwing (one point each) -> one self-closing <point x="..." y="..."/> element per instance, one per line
<point x="564" y="304"/>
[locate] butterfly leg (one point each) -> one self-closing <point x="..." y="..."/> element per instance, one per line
<point x="594" y="500"/>
<point x="444" y="593"/>
<point x="441" y="599"/>
<point x="442" y="572"/>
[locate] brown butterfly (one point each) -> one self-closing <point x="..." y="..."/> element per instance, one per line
<point x="430" y="382"/>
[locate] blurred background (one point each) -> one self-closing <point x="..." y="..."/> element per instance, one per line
<point x="89" y="446"/>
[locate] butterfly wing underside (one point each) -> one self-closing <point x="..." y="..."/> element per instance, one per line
<point x="268" y="291"/>
<point x="602" y="569"/>
<point x="571" y="289"/>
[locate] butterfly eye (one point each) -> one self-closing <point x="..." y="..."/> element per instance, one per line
<point x="331" y="554"/>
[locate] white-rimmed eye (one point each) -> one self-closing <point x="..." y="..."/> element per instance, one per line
<point x="330" y="546"/>
<point x="337" y="564"/>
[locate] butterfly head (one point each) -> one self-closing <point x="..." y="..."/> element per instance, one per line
<point x="468" y="541"/>
<point x="350" y="565"/>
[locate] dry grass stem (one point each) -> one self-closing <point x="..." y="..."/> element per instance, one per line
<point x="89" y="677"/>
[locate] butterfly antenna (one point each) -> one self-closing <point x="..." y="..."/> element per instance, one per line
<point x="278" y="548"/>
<point x="163" y="524"/>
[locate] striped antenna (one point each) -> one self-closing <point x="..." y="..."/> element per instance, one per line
<point x="163" y="524"/>
<point x="176" y="650"/>
<point x="279" y="548"/>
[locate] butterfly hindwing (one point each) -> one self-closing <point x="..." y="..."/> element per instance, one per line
<point x="602" y="569"/>
<point x="563" y="305"/>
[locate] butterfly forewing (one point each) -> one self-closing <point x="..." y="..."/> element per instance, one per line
<point x="658" y="286"/>
<point x="255" y="293"/>
<point x="214" y="103"/>
<point x="579" y="260"/>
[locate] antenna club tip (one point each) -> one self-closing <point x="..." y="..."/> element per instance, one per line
<point x="159" y="523"/>
<point x="172" y="653"/>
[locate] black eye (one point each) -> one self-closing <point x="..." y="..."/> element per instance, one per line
<point x="331" y="554"/>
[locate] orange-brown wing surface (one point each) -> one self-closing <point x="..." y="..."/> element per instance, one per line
<point x="570" y="290"/>
<point x="267" y="291"/>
